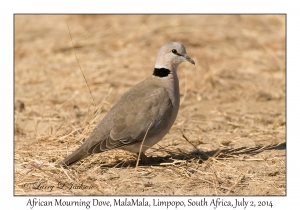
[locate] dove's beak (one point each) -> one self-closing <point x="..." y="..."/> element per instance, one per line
<point x="189" y="59"/>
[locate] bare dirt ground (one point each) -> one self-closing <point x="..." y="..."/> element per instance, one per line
<point x="230" y="133"/>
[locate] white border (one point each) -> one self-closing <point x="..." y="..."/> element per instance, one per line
<point x="8" y="201"/>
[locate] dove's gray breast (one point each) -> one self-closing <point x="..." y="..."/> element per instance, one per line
<point x="143" y="107"/>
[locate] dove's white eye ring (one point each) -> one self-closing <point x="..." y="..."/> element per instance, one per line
<point x="175" y="52"/>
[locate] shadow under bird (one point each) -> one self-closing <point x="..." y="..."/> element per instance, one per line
<point x="144" y="114"/>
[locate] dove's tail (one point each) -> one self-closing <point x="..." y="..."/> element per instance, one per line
<point x="76" y="156"/>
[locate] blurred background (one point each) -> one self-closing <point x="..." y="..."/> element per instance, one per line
<point x="240" y="59"/>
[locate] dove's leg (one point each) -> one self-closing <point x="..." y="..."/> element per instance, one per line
<point x="146" y="160"/>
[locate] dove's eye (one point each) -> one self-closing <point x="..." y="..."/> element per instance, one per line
<point x="174" y="51"/>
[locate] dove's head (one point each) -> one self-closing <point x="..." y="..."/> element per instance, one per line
<point x="171" y="55"/>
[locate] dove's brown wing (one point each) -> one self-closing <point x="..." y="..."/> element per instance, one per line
<point x="128" y="120"/>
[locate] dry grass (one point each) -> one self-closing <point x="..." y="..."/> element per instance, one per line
<point x="229" y="136"/>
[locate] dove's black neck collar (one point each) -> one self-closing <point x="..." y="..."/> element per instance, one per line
<point x="161" y="72"/>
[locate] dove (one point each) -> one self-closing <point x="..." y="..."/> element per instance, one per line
<point x="144" y="114"/>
